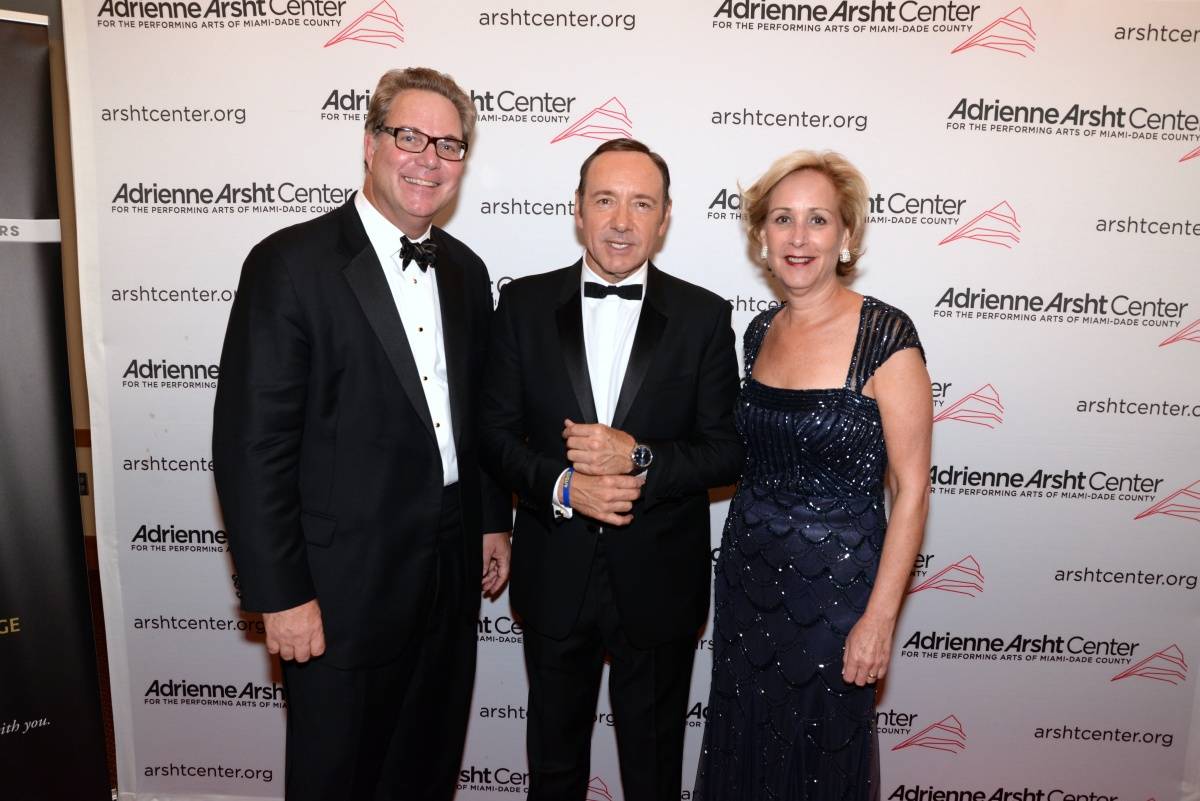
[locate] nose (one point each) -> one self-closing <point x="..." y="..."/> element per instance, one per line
<point x="620" y="219"/>
<point x="799" y="233"/>
<point x="428" y="158"/>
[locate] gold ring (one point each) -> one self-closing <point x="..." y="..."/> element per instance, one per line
<point x="872" y="676"/>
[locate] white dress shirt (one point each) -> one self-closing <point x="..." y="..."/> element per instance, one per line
<point x="416" y="296"/>
<point x="609" y="326"/>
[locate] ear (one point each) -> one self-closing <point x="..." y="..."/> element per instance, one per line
<point x="370" y="143"/>
<point x="662" y="226"/>
<point x="578" y="211"/>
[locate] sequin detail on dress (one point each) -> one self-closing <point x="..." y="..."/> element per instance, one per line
<point x="799" y="554"/>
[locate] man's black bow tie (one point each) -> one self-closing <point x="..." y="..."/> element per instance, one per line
<point x="591" y="289"/>
<point x="423" y="253"/>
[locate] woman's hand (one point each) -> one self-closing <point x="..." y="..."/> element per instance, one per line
<point x="868" y="650"/>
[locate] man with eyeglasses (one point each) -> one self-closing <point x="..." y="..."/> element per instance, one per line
<point x="346" y="461"/>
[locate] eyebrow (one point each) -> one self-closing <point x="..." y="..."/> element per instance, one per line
<point x="810" y="208"/>
<point x="610" y="192"/>
<point x="455" y="137"/>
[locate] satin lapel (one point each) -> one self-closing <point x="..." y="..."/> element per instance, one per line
<point x="569" y="317"/>
<point x="651" y="324"/>
<point x="370" y="286"/>
<point x="453" y="301"/>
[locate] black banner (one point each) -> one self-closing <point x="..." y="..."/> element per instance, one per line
<point x="51" y="736"/>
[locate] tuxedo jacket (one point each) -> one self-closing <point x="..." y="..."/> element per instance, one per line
<point x="325" y="459"/>
<point x="677" y="397"/>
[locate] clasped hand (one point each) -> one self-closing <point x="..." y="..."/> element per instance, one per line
<point x="601" y="487"/>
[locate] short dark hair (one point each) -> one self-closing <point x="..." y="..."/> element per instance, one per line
<point x="626" y="146"/>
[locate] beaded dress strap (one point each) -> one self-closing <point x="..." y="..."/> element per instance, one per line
<point x="856" y="355"/>
<point x="756" y="332"/>
<point x="882" y="331"/>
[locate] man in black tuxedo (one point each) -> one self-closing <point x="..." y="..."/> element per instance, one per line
<point x="345" y="448"/>
<point x="609" y="409"/>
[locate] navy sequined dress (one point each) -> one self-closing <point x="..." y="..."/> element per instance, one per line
<point x="798" y="559"/>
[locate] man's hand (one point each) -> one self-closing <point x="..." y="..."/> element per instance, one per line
<point x="296" y="633"/>
<point x="598" y="450"/>
<point x="606" y="498"/>
<point x="497" y="556"/>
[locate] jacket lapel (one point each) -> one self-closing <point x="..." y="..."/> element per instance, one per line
<point x="651" y="323"/>
<point x="365" y="275"/>
<point x="569" y="317"/>
<point x="453" y="301"/>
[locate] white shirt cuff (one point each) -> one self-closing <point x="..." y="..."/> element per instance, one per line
<point x="560" y="511"/>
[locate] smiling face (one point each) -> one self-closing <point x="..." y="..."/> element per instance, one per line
<point x="622" y="213"/>
<point x="803" y="231"/>
<point x="410" y="188"/>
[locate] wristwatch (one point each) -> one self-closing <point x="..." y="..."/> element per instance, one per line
<point x="642" y="456"/>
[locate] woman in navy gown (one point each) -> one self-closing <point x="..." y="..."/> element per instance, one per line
<point x="811" y="572"/>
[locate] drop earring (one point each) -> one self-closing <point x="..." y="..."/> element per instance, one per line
<point x="844" y="257"/>
<point x="762" y="254"/>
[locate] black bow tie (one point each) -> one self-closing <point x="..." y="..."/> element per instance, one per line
<point x="591" y="289"/>
<point x="423" y="253"/>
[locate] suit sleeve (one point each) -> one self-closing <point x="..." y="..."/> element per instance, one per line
<point x="257" y="425"/>
<point x="711" y="455"/>
<point x="495" y="501"/>
<point x="503" y="427"/>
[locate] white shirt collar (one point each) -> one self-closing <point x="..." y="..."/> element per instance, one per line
<point x="638" y="276"/>
<point x="383" y="235"/>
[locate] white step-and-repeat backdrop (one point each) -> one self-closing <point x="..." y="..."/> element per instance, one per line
<point x="1035" y="174"/>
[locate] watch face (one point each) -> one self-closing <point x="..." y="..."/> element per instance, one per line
<point x="642" y="456"/>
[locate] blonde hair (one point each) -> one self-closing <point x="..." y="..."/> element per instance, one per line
<point x="848" y="183"/>
<point x="394" y="82"/>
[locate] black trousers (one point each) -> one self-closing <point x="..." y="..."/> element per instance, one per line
<point x="648" y="690"/>
<point x="393" y="732"/>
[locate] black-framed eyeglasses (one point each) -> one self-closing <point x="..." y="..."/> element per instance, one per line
<point x="413" y="141"/>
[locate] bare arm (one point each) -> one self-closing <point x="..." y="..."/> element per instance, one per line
<point x="901" y="388"/>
